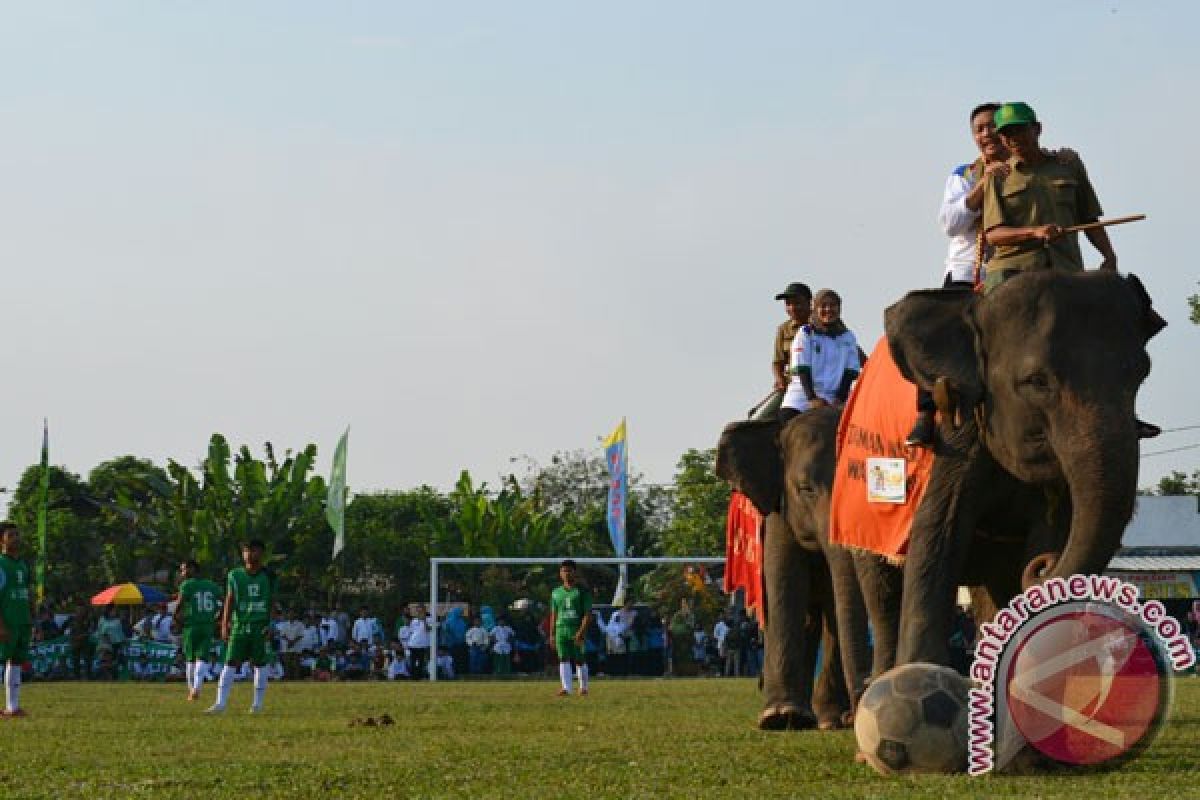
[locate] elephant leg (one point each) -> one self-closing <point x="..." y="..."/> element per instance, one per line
<point x="941" y="534"/>
<point x="851" y="619"/>
<point x="881" y="585"/>
<point x="786" y="570"/>
<point x="831" y="700"/>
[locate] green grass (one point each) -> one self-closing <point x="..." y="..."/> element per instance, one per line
<point x="652" y="738"/>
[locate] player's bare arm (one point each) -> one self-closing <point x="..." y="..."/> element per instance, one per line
<point x="225" y="614"/>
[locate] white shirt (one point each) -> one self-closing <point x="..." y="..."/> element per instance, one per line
<point x="501" y="635"/>
<point x="477" y="637"/>
<point x="291" y="636"/>
<point x="162" y="628"/>
<point x="827" y="359"/>
<point x="961" y="224"/>
<point x="311" y="640"/>
<point x="329" y="630"/>
<point x="418" y="633"/>
<point x="363" y="630"/>
<point x="719" y="631"/>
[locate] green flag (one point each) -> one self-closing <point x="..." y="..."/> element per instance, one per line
<point x="335" y="503"/>
<point x="43" y="500"/>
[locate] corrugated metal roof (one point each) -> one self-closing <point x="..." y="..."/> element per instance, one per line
<point x="1154" y="564"/>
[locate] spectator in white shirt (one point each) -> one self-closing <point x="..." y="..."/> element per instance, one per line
<point x="291" y="640"/>
<point x="418" y="645"/>
<point x="477" y="647"/>
<point x="329" y="631"/>
<point x="502" y="637"/>
<point x="364" y="628"/>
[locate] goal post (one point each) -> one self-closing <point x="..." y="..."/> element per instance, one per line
<point x="435" y="562"/>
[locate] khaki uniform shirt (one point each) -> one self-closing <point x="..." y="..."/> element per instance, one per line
<point x="783" y="343"/>
<point x="1047" y="193"/>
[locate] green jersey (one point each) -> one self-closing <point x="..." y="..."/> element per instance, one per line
<point x="14" y="591"/>
<point x="199" y="598"/>
<point x="570" y="606"/>
<point x="252" y="595"/>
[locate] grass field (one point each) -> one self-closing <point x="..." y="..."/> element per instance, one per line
<point x="651" y="738"/>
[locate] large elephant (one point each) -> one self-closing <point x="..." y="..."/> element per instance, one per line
<point x="1037" y="461"/>
<point x="1035" y="474"/>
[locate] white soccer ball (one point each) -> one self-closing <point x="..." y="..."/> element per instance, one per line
<point x="914" y="719"/>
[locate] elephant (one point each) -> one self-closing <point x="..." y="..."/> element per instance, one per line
<point x="1034" y="476"/>
<point x="803" y="573"/>
<point x="1035" y="470"/>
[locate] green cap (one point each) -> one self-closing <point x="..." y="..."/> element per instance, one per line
<point x="1014" y="114"/>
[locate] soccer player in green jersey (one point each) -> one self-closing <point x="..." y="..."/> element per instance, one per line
<point x="16" y="617"/>
<point x="196" y="613"/>
<point x="245" y="624"/>
<point x="570" y="616"/>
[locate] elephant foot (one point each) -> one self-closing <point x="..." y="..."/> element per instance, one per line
<point x="786" y="717"/>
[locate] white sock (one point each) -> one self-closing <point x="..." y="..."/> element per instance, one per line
<point x="189" y="669"/>
<point x="581" y="672"/>
<point x="224" y="685"/>
<point x="260" y="685"/>
<point x="199" y="674"/>
<point x="12" y="687"/>
<point x="564" y="675"/>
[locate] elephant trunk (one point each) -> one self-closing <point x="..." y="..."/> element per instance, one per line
<point x="1100" y="466"/>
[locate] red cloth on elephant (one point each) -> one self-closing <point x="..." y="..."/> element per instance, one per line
<point x="878" y="416"/>
<point x="743" y="551"/>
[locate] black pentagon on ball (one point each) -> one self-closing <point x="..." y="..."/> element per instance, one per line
<point x="893" y="754"/>
<point x="940" y="709"/>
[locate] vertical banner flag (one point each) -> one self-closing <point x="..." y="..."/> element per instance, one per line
<point x="335" y="503"/>
<point x="616" y="455"/>
<point x="43" y="501"/>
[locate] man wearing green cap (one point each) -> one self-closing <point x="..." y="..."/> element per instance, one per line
<point x="1026" y="210"/>
<point x="797" y="301"/>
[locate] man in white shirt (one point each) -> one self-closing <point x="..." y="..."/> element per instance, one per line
<point x="329" y="631"/>
<point x="477" y="647"/>
<point x="364" y="628"/>
<point x="962" y="205"/>
<point x="162" y="625"/>
<point x="418" y="645"/>
<point x="291" y="638"/>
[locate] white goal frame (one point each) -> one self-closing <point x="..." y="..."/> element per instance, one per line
<point x="434" y="563"/>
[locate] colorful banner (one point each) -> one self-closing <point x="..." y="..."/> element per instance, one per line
<point x="743" y="551"/>
<point x="335" y="503"/>
<point x="617" y="456"/>
<point x="43" y="500"/>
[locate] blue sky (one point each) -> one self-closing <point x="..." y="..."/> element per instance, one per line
<point x="482" y="231"/>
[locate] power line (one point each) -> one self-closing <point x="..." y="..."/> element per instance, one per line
<point x="1171" y="450"/>
<point x="1183" y="428"/>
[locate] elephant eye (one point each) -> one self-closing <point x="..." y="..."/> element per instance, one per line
<point x="1037" y="381"/>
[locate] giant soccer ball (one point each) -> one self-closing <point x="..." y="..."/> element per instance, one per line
<point x="914" y="719"/>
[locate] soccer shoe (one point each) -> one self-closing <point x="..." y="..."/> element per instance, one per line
<point x="563" y="693"/>
<point x="16" y="714"/>
<point x="193" y="695"/>
<point x="215" y="709"/>
<point x="583" y="692"/>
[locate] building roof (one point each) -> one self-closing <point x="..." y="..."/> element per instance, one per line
<point x="1155" y="563"/>
<point x="1164" y="522"/>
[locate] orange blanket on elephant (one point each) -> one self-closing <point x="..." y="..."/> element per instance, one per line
<point x="743" y="551"/>
<point x="874" y="500"/>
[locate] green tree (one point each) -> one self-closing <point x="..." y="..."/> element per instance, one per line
<point x="123" y="492"/>
<point x="73" y="551"/>
<point x="700" y="501"/>
<point x="1178" y="483"/>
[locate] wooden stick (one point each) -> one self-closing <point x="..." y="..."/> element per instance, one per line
<point x="1103" y="223"/>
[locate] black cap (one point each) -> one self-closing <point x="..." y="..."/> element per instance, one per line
<point x="795" y="290"/>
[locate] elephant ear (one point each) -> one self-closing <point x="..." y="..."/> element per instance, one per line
<point x="1152" y="323"/>
<point x="748" y="456"/>
<point x="931" y="335"/>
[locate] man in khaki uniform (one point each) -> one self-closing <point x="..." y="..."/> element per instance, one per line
<point x="797" y="299"/>
<point x="1026" y="210"/>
